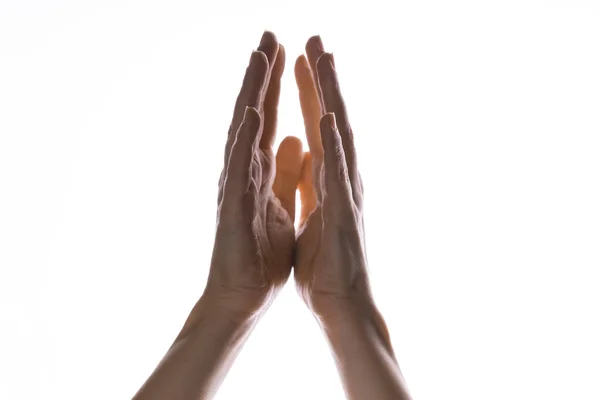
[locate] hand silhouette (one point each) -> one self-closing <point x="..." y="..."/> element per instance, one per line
<point x="255" y="239"/>
<point x="331" y="265"/>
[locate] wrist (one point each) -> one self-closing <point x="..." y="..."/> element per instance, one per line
<point x="332" y="310"/>
<point x="360" y="342"/>
<point x="210" y="314"/>
<point x="242" y="305"/>
<point x="352" y="319"/>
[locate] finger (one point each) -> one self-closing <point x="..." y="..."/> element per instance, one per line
<point x="288" y="168"/>
<point x="254" y="82"/>
<point x="250" y="93"/>
<point x="314" y="49"/>
<point x="308" y="196"/>
<point x="272" y="101"/>
<point x="335" y="172"/>
<point x="334" y="103"/>
<point x="239" y="170"/>
<point x="309" y="103"/>
<point x="270" y="46"/>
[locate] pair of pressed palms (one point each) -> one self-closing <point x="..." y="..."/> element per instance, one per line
<point x="256" y="244"/>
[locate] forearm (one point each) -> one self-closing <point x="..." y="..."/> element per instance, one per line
<point x="197" y="362"/>
<point x="363" y="353"/>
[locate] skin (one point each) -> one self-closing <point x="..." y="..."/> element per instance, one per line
<point x="331" y="263"/>
<point x="255" y="217"/>
<point x="256" y="243"/>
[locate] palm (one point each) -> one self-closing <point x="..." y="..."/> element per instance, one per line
<point x="310" y="255"/>
<point x="258" y="245"/>
<point x="330" y="260"/>
<point x="274" y="227"/>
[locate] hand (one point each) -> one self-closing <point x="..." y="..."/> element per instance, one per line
<point x="254" y="245"/>
<point x="255" y="239"/>
<point x="331" y="264"/>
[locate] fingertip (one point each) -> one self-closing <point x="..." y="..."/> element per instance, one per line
<point x="292" y="142"/>
<point x="269" y="46"/>
<point x="303" y="61"/>
<point x="314" y="44"/>
<point x="301" y="64"/>
<point x="314" y="49"/>
<point x="259" y="60"/>
<point x="328" y="123"/>
<point x="302" y="71"/>
<point x="268" y="37"/>
<point x="289" y="155"/>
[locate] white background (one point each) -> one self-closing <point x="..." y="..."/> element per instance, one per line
<point x="477" y="129"/>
